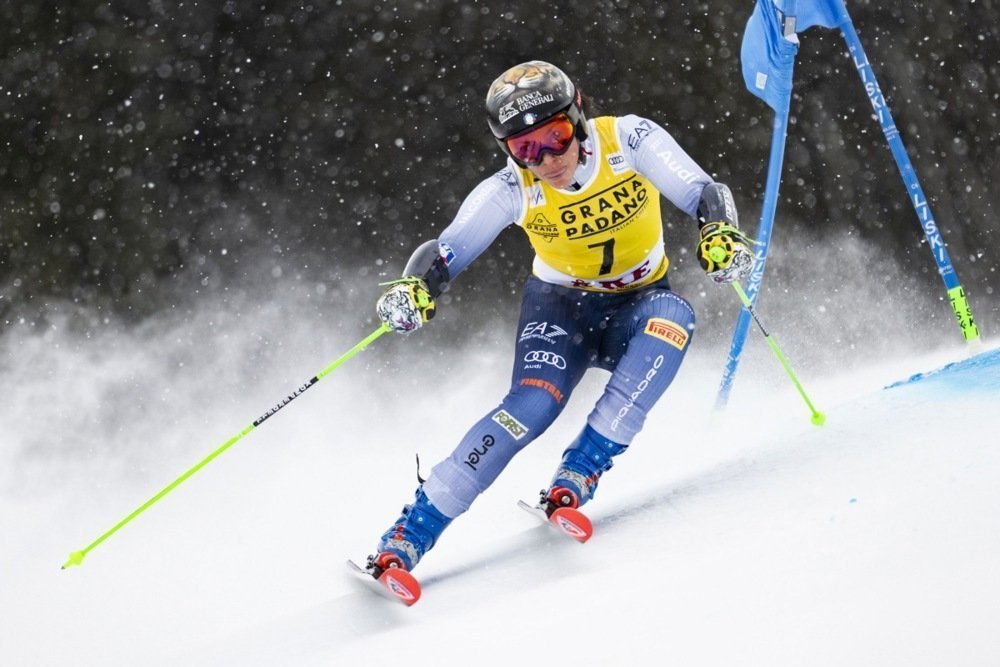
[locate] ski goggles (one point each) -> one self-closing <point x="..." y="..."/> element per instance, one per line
<point x="553" y="136"/>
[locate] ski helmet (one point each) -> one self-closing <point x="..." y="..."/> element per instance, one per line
<point x="529" y="94"/>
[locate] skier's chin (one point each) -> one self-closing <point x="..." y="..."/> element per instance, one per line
<point x="558" y="178"/>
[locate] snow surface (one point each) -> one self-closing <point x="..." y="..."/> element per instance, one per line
<point x="751" y="538"/>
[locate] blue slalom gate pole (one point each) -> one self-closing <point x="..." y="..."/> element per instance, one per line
<point x="768" y="54"/>
<point x="935" y="242"/>
<point x="778" y="132"/>
<point x="779" y="99"/>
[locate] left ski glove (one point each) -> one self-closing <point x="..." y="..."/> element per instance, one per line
<point x="406" y="305"/>
<point x="724" y="252"/>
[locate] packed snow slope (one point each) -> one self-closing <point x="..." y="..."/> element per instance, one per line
<point x="745" y="538"/>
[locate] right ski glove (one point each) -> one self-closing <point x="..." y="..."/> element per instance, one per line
<point x="406" y="305"/>
<point x="724" y="252"/>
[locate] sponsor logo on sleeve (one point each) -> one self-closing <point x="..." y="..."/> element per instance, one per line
<point x="507" y="177"/>
<point x="677" y="167"/>
<point x="639" y="134"/>
<point x="668" y="331"/>
<point x="447" y="254"/>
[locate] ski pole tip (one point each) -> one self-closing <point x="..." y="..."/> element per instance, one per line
<point x="75" y="558"/>
<point x="818" y="418"/>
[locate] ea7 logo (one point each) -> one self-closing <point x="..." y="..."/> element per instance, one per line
<point x="641" y="131"/>
<point x="542" y="330"/>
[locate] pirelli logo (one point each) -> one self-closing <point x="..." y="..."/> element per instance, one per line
<point x="669" y="331"/>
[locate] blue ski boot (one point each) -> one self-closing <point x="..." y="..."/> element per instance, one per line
<point x="414" y="533"/>
<point x="582" y="465"/>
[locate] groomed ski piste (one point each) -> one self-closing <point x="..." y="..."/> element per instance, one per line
<point x="746" y="538"/>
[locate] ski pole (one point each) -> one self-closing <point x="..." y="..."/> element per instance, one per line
<point x="76" y="557"/>
<point x="818" y="418"/>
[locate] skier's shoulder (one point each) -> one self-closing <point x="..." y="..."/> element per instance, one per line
<point x="633" y="130"/>
<point x="505" y="178"/>
<point x="500" y="185"/>
<point x="494" y="201"/>
<point x="505" y="184"/>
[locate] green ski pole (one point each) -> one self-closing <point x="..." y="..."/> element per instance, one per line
<point x="76" y="557"/>
<point x="818" y="418"/>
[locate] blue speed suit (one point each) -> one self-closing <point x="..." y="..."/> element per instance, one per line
<point x="561" y="333"/>
<point x="626" y="321"/>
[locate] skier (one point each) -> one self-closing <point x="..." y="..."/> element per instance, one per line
<point x="586" y="192"/>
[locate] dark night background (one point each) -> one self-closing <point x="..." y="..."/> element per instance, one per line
<point x="158" y="153"/>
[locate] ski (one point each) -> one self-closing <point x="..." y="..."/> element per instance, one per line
<point x="568" y="521"/>
<point x="395" y="583"/>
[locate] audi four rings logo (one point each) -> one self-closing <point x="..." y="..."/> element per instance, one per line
<point x="544" y="357"/>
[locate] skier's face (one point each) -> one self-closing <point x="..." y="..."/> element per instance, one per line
<point x="558" y="170"/>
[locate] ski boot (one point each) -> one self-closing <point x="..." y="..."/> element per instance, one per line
<point x="413" y="534"/>
<point x="575" y="482"/>
<point x="402" y="546"/>
<point x="583" y="463"/>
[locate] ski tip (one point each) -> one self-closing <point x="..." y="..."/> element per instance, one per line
<point x="573" y="523"/>
<point x="401" y="585"/>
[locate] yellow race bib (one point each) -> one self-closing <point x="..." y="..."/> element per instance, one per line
<point x="607" y="236"/>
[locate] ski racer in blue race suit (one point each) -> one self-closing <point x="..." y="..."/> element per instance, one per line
<point x="587" y="194"/>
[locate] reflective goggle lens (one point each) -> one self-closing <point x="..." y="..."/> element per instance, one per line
<point x="554" y="137"/>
